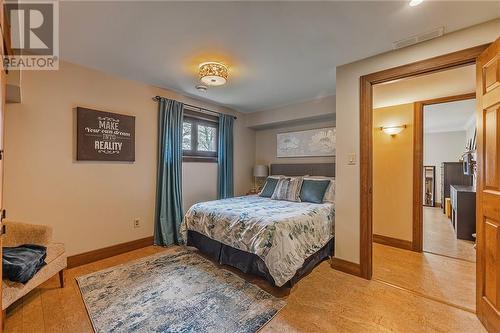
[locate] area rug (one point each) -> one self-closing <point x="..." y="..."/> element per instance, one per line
<point x="175" y="292"/>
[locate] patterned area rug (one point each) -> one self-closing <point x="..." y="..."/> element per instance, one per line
<point x="175" y="292"/>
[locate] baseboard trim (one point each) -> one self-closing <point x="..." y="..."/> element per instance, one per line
<point x="346" y="266"/>
<point x="106" y="252"/>
<point x="394" y="242"/>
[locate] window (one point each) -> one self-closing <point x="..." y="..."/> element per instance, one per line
<point x="199" y="137"/>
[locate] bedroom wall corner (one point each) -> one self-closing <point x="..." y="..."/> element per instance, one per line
<point x="313" y="114"/>
<point x="317" y="109"/>
<point x="266" y="150"/>
<point x="244" y="155"/>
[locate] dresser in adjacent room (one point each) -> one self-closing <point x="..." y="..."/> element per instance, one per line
<point x="452" y="173"/>
<point x="463" y="211"/>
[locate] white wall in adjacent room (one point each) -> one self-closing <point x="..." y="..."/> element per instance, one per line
<point x="442" y="147"/>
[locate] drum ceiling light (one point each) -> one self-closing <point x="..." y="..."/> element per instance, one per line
<point x="213" y="73"/>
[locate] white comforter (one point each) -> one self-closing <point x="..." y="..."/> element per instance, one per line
<point x="282" y="233"/>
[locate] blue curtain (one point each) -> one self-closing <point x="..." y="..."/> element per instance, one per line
<point x="168" y="212"/>
<point x="225" y="161"/>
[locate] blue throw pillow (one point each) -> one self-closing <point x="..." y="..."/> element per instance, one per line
<point x="313" y="190"/>
<point x="269" y="187"/>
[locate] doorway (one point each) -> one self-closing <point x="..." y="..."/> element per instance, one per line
<point x="416" y="117"/>
<point x="436" y="64"/>
<point x="449" y="175"/>
<point x="488" y="187"/>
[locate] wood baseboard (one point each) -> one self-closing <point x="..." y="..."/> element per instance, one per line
<point x="394" y="242"/>
<point x="346" y="266"/>
<point x="106" y="252"/>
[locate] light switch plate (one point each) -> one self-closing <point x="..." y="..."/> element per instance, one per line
<point x="351" y="159"/>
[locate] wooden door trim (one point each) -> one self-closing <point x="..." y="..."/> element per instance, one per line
<point x="418" y="162"/>
<point x="443" y="62"/>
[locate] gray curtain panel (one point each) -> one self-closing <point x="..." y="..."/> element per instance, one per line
<point x="225" y="160"/>
<point x="168" y="212"/>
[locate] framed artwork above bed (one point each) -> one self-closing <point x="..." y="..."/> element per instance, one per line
<point x="309" y="143"/>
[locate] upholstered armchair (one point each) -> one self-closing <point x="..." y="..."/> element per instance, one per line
<point x="17" y="233"/>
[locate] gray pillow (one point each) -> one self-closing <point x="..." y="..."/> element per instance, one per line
<point x="269" y="187"/>
<point x="313" y="190"/>
<point x="288" y="189"/>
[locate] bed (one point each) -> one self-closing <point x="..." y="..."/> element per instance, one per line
<point x="278" y="240"/>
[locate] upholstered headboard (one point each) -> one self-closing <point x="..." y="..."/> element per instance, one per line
<point x="311" y="169"/>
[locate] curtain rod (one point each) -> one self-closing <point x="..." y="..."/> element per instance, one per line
<point x="157" y="98"/>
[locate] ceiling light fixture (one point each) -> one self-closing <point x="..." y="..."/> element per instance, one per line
<point x="393" y="130"/>
<point x="213" y="73"/>
<point x="414" y="3"/>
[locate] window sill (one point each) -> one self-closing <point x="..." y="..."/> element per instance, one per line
<point x="202" y="159"/>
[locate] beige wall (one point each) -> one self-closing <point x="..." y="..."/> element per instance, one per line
<point x="317" y="113"/>
<point x="347" y="117"/>
<point x="316" y="109"/>
<point x="265" y="144"/>
<point x="93" y="204"/>
<point x="393" y="173"/>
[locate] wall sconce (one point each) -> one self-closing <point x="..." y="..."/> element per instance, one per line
<point x="393" y="130"/>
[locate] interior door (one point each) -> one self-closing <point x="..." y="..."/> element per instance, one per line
<point x="2" y="104"/>
<point x="3" y="82"/>
<point x="488" y="188"/>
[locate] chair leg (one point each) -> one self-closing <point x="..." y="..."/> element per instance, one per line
<point x="4" y="318"/>
<point x="61" y="278"/>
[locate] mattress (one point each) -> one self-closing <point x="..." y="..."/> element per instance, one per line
<point x="282" y="233"/>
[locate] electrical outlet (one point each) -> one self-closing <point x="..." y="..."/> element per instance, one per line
<point x="137" y="223"/>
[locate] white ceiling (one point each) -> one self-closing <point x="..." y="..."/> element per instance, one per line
<point x="278" y="52"/>
<point x="449" y="117"/>
<point x="451" y="82"/>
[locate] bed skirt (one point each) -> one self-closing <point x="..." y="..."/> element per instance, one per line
<point x="249" y="262"/>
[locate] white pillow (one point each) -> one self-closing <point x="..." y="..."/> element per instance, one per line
<point x="330" y="190"/>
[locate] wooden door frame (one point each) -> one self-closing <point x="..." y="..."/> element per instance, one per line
<point x="432" y="65"/>
<point x="418" y="162"/>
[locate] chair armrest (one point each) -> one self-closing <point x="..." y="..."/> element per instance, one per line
<point x="17" y="233"/>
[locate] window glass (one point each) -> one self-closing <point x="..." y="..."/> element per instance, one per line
<point x="207" y="138"/>
<point x="199" y="138"/>
<point x="186" y="135"/>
